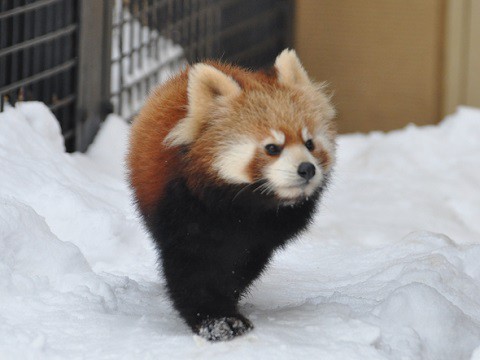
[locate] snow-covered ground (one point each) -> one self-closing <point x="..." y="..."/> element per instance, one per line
<point x="390" y="269"/>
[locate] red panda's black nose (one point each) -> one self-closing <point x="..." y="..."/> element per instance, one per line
<point x="306" y="170"/>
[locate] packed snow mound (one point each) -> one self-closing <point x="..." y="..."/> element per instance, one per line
<point x="411" y="179"/>
<point x="389" y="270"/>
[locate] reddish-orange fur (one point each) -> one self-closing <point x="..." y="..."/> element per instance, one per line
<point x="152" y="164"/>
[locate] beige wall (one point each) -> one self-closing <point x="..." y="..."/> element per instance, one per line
<point x="462" y="54"/>
<point x="473" y="48"/>
<point x="382" y="58"/>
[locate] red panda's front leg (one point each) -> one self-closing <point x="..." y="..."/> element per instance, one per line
<point x="205" y="296"/>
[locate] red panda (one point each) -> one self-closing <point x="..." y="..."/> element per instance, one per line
<point x="227" y="165"/>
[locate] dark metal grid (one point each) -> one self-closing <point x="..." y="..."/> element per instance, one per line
<point x="248" y="32"/>
<point x="253" y="32"/>
<point x="50" y="53"/>
<point x="152" y="39"/>
<point x="37" y="56"/>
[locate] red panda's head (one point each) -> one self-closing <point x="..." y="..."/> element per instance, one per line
<point x="244" y="131"/>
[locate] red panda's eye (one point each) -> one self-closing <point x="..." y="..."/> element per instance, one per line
<point x="273" y="149"/>
<point x="310" y="145"/>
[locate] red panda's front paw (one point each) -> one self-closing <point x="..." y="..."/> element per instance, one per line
<point x="224" y="328"/>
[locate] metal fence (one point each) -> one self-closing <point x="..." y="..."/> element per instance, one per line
<point x="38" y="57"/>
<point x="87" y="58"/>
<point x="151" y="40"/>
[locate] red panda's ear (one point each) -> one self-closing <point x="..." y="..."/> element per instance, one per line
<point x="205" y="83"/>
<point x="207" y="86"/>
<point x="290" y="70"/>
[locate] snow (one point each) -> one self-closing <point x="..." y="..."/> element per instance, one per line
<point x="389" y="270"/>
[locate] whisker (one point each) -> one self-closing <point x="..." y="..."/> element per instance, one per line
<point x="267" y="188"/>
<point x="258" y="187"/>
<point x="286" y="171"/>
<point x="261" y="186"/>
<point x="244" y="188"/>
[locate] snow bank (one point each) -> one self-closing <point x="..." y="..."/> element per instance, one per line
<point x="389" y="270"/>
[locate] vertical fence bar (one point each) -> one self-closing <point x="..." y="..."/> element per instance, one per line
<point x="3" y="59"/>
<point x="93" y="69"/>
<point x="121" y="49"/>
<point x="15" y="38"/>
<point x="106" y="105"/>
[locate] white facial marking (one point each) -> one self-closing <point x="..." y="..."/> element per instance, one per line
<point x="327" y="144"/>
<point x="278" y="136"/>
<point x="283" y="173"/>
<point x="306" y="134"/>
<point x="232" y="163"/>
